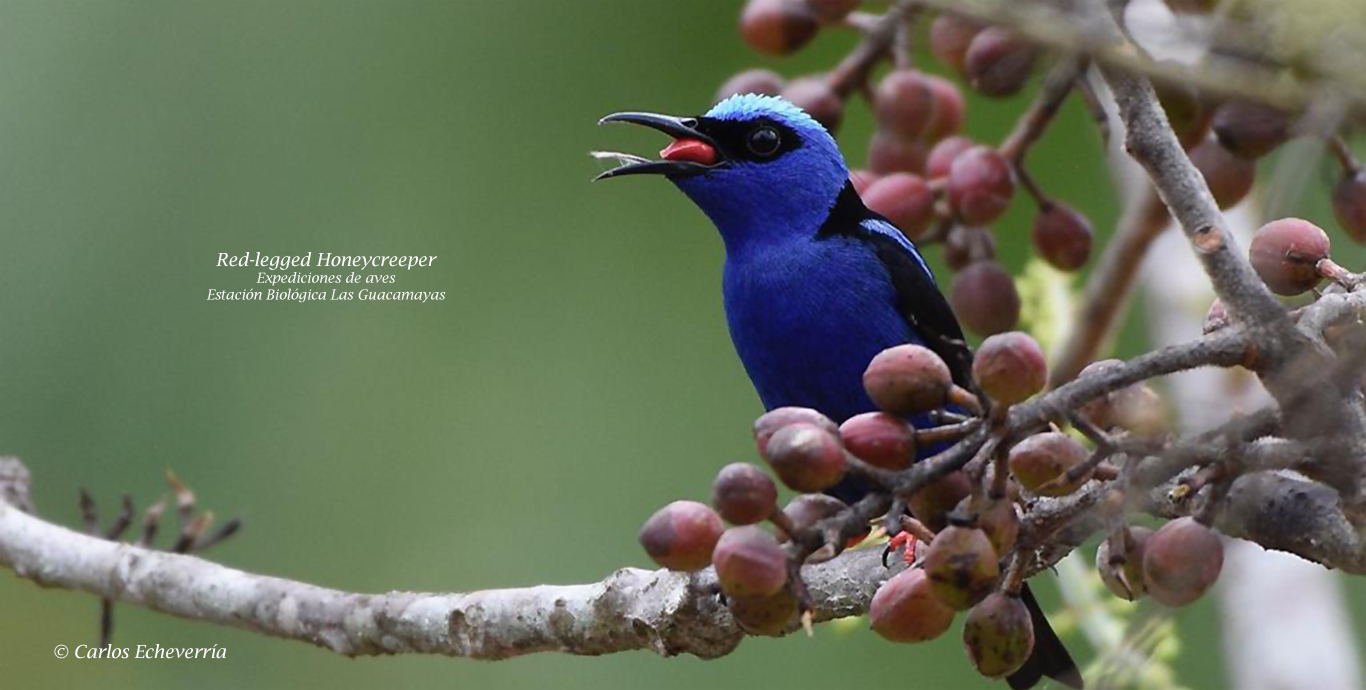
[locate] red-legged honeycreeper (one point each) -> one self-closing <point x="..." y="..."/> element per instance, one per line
<point x="815" y="284"/>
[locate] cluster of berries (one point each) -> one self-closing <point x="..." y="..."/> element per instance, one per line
<point x="963" y="531"/>
<point x="939" y="186"/>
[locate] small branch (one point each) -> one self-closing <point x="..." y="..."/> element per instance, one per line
<point x="1150" y="140"/>
<point x="852" y="72"/>
<point x="1107" y="290"/>
<point x="1034" y="121"/>
<point x="1047" y="24"/>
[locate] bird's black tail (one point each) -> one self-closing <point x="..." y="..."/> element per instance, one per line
<point x="1049" y="658"/>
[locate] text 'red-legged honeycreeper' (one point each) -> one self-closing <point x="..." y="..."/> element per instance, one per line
<point x="815" y="284"/>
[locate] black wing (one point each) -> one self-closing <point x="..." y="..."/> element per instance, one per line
<point x="918" y="297"/>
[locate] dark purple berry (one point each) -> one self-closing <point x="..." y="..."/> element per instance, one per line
<point x="983" y="296"/>
<point x="1062" y="236"/>
<point x="743" y="494"/>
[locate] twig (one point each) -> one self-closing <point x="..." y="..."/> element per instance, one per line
<point x="1107" y="289"/>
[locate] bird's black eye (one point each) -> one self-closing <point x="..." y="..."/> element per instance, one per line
<point x="764" y="141"/>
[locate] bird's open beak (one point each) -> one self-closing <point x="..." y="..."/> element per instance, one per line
<point x="691" y="152"/>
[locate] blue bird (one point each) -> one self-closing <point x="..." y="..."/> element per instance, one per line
<point x="815" y="284"/>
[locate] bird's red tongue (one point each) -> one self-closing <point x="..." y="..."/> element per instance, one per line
<point x="691" y="150"/>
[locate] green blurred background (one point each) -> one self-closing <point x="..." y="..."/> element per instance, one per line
<point x="577" y="376"/>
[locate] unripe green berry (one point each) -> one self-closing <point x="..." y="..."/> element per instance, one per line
<point x="999" y="635"/>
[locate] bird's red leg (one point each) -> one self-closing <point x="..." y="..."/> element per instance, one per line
<point x="905" y="539"/>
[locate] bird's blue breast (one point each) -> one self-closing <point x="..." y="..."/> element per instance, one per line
<point x="807" y="315"/>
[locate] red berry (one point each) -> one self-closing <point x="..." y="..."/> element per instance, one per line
<point x="743" y="494"/>
<point x="932" y="504"/>
<point x="907" y="379"/>
<point x="1062" y="237"/>
<point x="999" y="521"/>
<point x="760" y="81"/>
<point x="1010" y="367"/>
<point x="1136" y="408"/>
<point x="1286" y="253"/>
<point x="808" y="509"/>
<point x="904" y="103"/>
<point x="777" y="27"/>
<point x="967" y="245"/>
<point x="949" y="111"/>
<point x="765" y="615"/>
<point x="880" y="439"/>
<point x="771" y="422"/>
<point x="904" y="199"/>
<point x="681" y="535"/>
<point x="1228" y="177"/>
<point x="998" y="62"/>
<point x="999" y="635"/>
<point x="807" y="457"/>
<point x="1250" y="129"/>
<point x="962" y="566"/>
<point x="904" y="609"/>
<point x="1182" y="560"/>
<point x="984" y="298"/>
<point x="815" y="96"/>
<point x="944" y="153"/>
<point x="749" y="563"/>
<point x="981" y="184"/>
<point x="888" y="153"/>
<point x="1042" y="458"/>
<point x="1349" y="203"/>
<point x="950" y="35"/>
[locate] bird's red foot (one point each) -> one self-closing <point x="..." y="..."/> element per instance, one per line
<point x="903" y="539"/>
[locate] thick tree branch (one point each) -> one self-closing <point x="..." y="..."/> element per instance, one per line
<point x="664" y="612"/>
